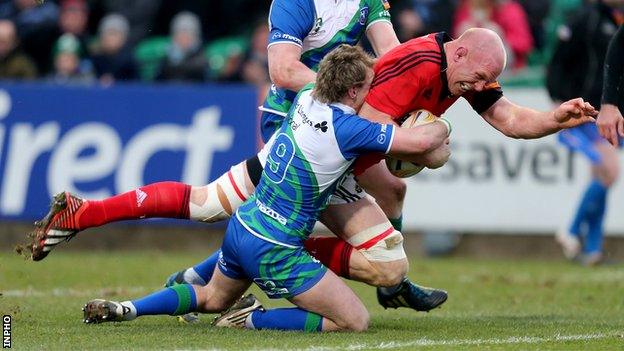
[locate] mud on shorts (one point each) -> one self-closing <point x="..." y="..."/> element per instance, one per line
<point x="280" y="271"/>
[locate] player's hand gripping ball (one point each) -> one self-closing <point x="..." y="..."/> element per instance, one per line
<point x="406" y="169"/>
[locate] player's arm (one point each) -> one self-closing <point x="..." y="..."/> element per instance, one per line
<point x="521" y="122"/>
<point x="382" y="37"/>
<point x="290" y="21"/>
<point x="379" y="29"/>
<point x="610" y="122"/>
<point x="374" y="115"/>
<point x="426" y="144"/>
<point x="286" y="70"/>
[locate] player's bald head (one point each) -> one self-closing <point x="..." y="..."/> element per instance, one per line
<point x="485" y="47"/>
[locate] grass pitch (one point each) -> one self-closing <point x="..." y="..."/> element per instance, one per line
<point x="503" y="305"/>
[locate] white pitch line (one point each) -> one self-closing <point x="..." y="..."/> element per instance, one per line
<point x="453" y="342"/>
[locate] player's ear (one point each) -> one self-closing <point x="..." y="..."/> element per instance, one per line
<point x="460" y="53"/>
<point x="352" y="92"/>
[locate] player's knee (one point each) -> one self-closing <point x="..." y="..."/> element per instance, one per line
<point x="218" y="200"/>
<point x="360" y="322"/>
<point x="210" y="301"/>
<point x="357" y="321"/>
<point x="398" y="189"/>
<point x="392" y="273"/>
<point x="387" y="258"/>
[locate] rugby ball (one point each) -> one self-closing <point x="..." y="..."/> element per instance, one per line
<point x="406" y="169"/>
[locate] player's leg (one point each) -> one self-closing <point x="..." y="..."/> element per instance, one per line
<point x="590" y="212"/>
<point x="223" y="289"/>
<point x="331" y="298"/>
<point x="214" y="202"/>
<point x="388" y="190"/>
<point x="604" y="174"/>
<point x="324" y="302"/>
<point x="219" y="294"/>
<point x="378" y="258"/>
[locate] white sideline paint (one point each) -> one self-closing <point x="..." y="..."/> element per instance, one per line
<point x="454" y="342"/>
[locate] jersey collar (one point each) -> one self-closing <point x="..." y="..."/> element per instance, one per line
<point x="442" y="38"/>
<point x="343" y="107"/>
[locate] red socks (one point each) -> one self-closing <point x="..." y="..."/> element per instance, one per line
<point x="165" y="199"/>
<point x="333" y="252"/>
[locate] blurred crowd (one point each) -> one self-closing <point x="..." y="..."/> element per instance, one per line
<point x="91" y="41"/>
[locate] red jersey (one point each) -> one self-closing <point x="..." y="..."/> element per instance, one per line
<point x="412" y="76"/>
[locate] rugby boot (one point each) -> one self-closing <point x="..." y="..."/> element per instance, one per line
<point x="59" y="225"/>
<point x="570" y="244"/>
<point x="175" y="278"/>
<point x="178" y="278"/>
<point x="98" y="311"/>
<point x="234" y="317"/>
<point x="411" y="295"/>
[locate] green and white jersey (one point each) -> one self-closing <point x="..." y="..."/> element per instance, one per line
<point x="318" y="26"/>
<point x="309" y="155"/>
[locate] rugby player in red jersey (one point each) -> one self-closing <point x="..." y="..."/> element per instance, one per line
<point x="430" y="72"/>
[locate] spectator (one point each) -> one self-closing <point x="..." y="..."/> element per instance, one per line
<point x="420" y="17"/>
<point x="185" y="60"/>
<point x="506" y="17"/>
<point x="112" y="56"/>
<point x="576" y="69"/>
<point x="537" y="11"/>
<point x="253" y="66"/>
<point x="140" y="14"/>
<point x="69" y="68"/>
<point x="35" y="27"/>
<point x="73" y="19"/>
<point x="13" y="63"/>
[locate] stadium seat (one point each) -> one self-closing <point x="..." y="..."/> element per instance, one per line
<point x="220" y="50"/>
<point x="148" y="54"/>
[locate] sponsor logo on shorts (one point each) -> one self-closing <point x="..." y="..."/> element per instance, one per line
<point x="363" y="15"/>
<point x="222" y="261"/>
<point x="269" y="287"/>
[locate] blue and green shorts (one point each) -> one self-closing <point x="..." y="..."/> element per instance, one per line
<point x="280" y="271"/>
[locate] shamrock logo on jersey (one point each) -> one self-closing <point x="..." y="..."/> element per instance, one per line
<point x="322" y="126"/>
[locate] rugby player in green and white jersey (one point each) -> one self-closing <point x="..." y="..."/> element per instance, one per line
<point x="263" y="244"/>
<point x="302" y="32"/>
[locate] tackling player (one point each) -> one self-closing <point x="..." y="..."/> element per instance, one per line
<point x="264" y="242"/>
<point x="302" y="32"/>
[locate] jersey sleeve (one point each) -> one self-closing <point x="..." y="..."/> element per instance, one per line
<point x="290" y="21"/>
<point x="379" y="10"/>
<point x="483" y="100"/>
<point x="356" y="135"/>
